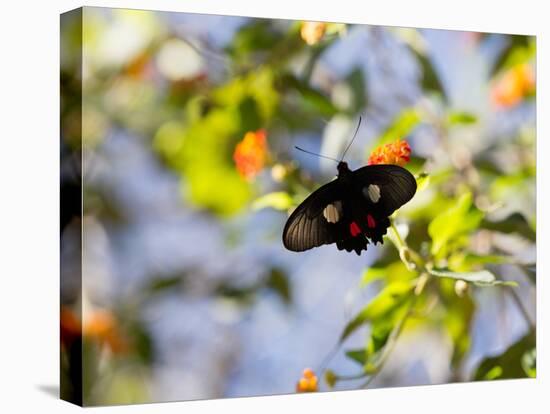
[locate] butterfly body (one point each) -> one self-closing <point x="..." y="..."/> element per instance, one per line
<point x="352" y="211"/>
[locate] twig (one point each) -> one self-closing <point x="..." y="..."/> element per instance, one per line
<point x="521" y="307"/>
<point x="392" y="341"/>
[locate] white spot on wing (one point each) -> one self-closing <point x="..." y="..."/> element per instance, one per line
<point x="372" y="192"/>
<point x="332" y="212"/>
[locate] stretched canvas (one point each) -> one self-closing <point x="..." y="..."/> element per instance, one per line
<point x="207" y="250"/>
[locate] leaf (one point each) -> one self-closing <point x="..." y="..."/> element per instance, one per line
<point x="311" y="96"/>
<point x="530" y="271"/>
<point x="452" y="222"/>
<point x="388" y="300"/>
<point x="392" y="271"/>
<point x="372" y="274"/>
<point x="422" y="181"/>
<point x="159" y="284"/>
<point x="253" y="37"/>
<point x="401" y="126"/>
<point x="460" y="118"/>
<point x="519" y="50"/>
<point x="480" y="278"/>
<point x="357" y="83"/>
<point x="514" y="223"/>
<point x="357" y="355"/>
<point x="330" y="378"/>
<point x="278" y="282"/>
<point x="430" y="78"/>
<point x="529" y="363"/>
<point x="279" y="200"/>
<point x="419" y="48"/>
<point x="457" y="320"/>
<point x="509" y="364"/>
<point x="378" y="338"/>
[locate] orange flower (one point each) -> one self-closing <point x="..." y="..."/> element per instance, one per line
<point x="70" y="326"/>
<point x="102" y="326"/>
<point x="398" y="153"/>
<point x="308" y="382"/>
<point x="312" y="32"/>
<point x="513" y="85"/>
<point x="251" y="154"/>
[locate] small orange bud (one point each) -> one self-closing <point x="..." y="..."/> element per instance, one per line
<point x="102" y="327"/>
<point x="251" y="154"/>
<point x="398" y="153"/>
<point x="70" y="326"/>
<point x="308" y="382"/>
<point x="512" y="86"/>
<point x="312" y="32"/>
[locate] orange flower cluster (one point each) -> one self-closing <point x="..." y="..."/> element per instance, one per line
<point x="512" y="86"/>
<point x="251" y="154"/>
<point x="312" y="32"/>
<point x="398" y="153"/>
<point x="308" y="382"/>
<point x="71" y="328"/>
<point x="102" y="326"/>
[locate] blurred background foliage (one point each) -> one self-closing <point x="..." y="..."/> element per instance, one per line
<point x="188" y="128"/>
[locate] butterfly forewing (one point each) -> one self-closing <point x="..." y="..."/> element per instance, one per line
<point x="397" y="185"/>
<point x="307" y="227"/>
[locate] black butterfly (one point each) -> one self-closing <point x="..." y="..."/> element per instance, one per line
<point x="351" y="210"/>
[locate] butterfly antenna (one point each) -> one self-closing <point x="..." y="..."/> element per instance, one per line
<point x="351" y="142"/>
<point x="318" y="155"/>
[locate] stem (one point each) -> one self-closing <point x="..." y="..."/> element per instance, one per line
<point x="362" y="374"/>
<point x="521" y="307"/>
<point x="392" y="341"/>
<point x="405" y="250"/>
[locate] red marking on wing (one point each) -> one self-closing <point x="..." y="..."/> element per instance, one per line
<point x="354" y="229"/>
<point x="371" y="222"/>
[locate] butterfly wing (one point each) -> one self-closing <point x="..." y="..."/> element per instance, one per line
<point x="359" y="217"/>
<point x="396" y="184"/>
<point x="379" y="190"/>
<point x="307" y="227"/>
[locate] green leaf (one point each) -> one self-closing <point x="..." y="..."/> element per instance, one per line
<point x="460" y="118"/>
<point x="514" y="223"/>
<point x="402" y="125"/>
<point x="520" y="49"/>
<point x="422" y="181"/>
<point x="389" y="271"/>
<point x="372" y="274"/>
<point x="278" y="282"/>
<point x="330" y="378"/>
<point x="279" y="200"/>
<point x="388" y="300"/>
<point x="480" y="278"/>
<point x="357" y="355"/>
<point x="165" y="283"/>
<point x="377" y="340"/>
<point x="452" y="222"/>
<point x="419" y="48"/>
<point x="253" y="37"/>
<point x="529" y="363"/>
<point x="357" y="83"/>
<point x="457" y="320"/>
<point x="511" y="363"/>
<point x="379" y="336"/>
<point x="312" y="98"/>
<point x="430" y="78"/>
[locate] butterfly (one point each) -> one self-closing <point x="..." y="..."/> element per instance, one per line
<point x="352" y="211"/>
